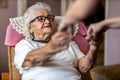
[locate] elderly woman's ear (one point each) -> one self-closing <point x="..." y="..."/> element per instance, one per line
<point x="31" y="32"/>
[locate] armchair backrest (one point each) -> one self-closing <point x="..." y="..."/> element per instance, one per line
<point x="12" y="37"/>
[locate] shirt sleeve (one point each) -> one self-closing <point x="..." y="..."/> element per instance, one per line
<point x="76" y="50"/>
<point x="21" y="50"/>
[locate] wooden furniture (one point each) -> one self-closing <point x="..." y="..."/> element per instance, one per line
<point x="13" y="72"/>
<point x="5" y="76"/>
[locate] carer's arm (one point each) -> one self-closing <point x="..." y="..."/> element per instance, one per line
<point x="78" y="11"/>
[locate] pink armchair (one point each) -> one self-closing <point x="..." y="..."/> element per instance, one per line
<point x="12" y="37"/>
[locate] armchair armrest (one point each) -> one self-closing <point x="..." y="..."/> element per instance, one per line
<point x="13" y="72"/>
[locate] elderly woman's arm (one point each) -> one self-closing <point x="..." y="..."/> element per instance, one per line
<point x="86" y="62"/>
<point x="41" y="55"/>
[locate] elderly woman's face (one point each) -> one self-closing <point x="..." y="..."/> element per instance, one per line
<point x="42" y="23"/>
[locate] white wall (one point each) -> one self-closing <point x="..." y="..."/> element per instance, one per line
<point x="112" y="40"/>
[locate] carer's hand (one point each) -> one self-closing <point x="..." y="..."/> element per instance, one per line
<point x="95" y="30"/>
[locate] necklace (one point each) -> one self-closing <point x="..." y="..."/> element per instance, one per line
<point x="43" y="41"/>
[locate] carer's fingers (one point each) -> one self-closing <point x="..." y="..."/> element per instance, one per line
<point x="62" y="26"/>
<point x="89" y="34"/>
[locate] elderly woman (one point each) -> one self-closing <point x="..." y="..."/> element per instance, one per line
<point x="48" y="55"/>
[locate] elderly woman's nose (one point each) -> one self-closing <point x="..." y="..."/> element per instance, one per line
<point x="47" y="20"/>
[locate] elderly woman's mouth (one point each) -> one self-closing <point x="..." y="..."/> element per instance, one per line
<point x="47" y="26"/>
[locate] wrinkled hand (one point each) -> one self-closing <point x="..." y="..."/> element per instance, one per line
<point x="95" y="43"/>
<point x="59" y="41"/>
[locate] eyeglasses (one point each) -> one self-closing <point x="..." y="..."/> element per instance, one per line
<point x="43" y="18"/>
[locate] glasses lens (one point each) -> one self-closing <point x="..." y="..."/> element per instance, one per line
<point x="50" y="18"/>
<point x="41" y="18"/>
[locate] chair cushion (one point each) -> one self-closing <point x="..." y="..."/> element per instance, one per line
<point x="12" y="37"/>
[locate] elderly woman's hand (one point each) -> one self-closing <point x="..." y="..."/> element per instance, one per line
<point x="59" y="41"/>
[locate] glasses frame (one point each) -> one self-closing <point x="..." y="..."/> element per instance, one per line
<point x="49" y="17"/>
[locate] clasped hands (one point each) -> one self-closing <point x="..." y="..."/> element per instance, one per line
<point x="60" y="40"/>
